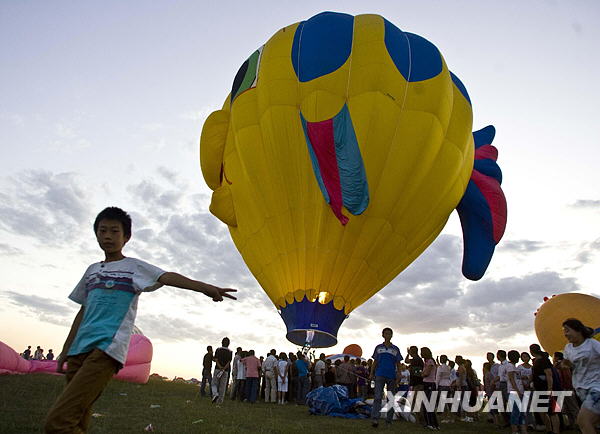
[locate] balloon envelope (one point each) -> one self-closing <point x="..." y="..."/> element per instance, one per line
<point x="135" y="370"/>
<point x="336" y="159"/>
<point x="353" y="349"/>
<point x="551" y="315"/>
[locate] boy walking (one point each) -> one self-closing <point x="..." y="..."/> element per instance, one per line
<point x="97" y="344"/>
<point x="386" y="362"/>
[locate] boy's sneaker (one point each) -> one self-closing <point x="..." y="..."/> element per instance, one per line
<point x="215" y="398"/>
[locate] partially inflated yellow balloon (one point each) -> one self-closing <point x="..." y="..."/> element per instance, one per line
<point x="551" y="315"/>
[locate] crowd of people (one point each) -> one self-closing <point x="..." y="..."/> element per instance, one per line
<point x="38" y="354"/>
<point x="288" y="377"/>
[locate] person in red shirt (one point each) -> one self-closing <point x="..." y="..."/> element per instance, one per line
<point x="252" y="365"/>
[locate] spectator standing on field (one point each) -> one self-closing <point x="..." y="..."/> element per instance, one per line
<point x="270" y="377"/>
<point x="252" y="370"/>
<point x="319" y="370"/>
<point x="222" y="358"/>
<point x="281" y="370"/>
<point x="582" y="353"/>
<point x="386" y="361"/>
<point x="234" y="367"/>
<point x="303" y="380"/>
<point x="344" y="374"/>
<point x="207" y="372"/>
<point x="27" y="353"/>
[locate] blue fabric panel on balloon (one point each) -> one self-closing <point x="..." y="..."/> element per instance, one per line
<point x="322" y="44"/>
<point x="415" y="57"/>
<point x="461" y="87"/>
<point x="312" y="315"/>
<point x="425" y="58"/>
<point x="484" y="136"/>
<point x="353" y="177"/>
<point x="476" y="222"/>
<point x="490" y="168"/>
<point x="314" y="161"/>
<point x="396" y="43"/>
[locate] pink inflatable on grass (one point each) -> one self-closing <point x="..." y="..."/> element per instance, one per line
<point x="136" y="369"/>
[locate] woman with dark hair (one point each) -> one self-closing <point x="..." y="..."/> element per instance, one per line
<point x="473" y="384"/>
<point x="526" y="377"/>
<point x="582" y="353"/>
<point x="516" y="387"/>
<point x="429" y="386"/>
<point x="543" y="382"/>
<point x="281" y="370"/>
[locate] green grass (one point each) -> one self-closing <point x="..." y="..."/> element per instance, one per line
<point x="125" y="408"/>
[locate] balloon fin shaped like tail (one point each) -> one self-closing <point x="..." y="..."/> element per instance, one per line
<point x="482" y="209"/>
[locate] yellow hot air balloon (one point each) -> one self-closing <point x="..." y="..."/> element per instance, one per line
<point x="336" y="159"/>
<point x="555" y="310"/>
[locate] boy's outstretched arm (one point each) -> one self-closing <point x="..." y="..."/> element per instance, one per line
<point x="62" y="357"/>
<point x="179" y="281"/>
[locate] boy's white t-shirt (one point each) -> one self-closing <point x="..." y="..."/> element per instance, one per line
<point x="586" y="364"/>
<point x="509" y="367"/>
<point x="110" y="291"/>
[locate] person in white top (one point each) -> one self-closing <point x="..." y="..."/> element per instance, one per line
<point x="281" y="369"/>
<point x="582" y="354"/>
<point x="319" y="369"/>
<point x="240" y="379"/>
<point x="268" y="367"/>
<point x="515" y="387"/>
<point x="444" y="383"/>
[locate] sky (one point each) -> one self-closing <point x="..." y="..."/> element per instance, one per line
<point x="102" y="104"/>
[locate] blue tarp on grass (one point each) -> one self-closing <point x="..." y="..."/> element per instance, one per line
<point x="334" y="401"/>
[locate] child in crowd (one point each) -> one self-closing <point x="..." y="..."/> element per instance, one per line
<point x="97" y="344"/>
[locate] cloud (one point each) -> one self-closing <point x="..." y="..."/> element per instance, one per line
<point x="8" y="250"/>
<point x="51" y="208"/>
<point x="442" y="300"/>
<point x="522" y="246"/>
<point x="13" y="118"/>
<point x="586" y="204"/>
<point x="42" y="308"/>
<point x="587" y="251"/>
<point x="200" y="115"/>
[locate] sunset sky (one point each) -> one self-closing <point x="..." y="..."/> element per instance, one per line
<point x="102" y="104"/>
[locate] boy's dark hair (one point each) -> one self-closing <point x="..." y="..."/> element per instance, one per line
<point x="387" y="328"/>
<point x="575" y="324"/>
<point x="501" y="354"/>
<point x="209" y="348"/>
<point x="514" y="356"/>
<point x="443" y="358"/>
<point x="114" y="213"/>
<point x="225" y="342"/>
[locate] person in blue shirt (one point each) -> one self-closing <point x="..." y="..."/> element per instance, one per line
<point x="386" y="361"/>
<point x="303" y="381"/>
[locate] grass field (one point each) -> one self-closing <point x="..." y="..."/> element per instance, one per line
<point x="125" y="408"/>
